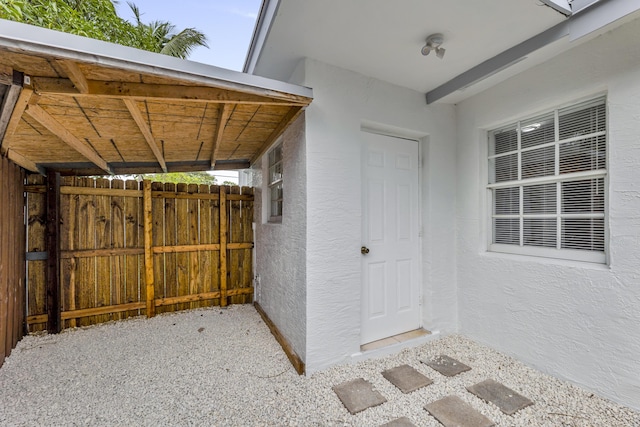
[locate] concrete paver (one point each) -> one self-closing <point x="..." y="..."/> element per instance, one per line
<point x="358" y="395"/>
<point x="452" y="411"/>
<point x="406" y="378"/>
<point x="502" y="396"/>
<point x="446" y="365"/>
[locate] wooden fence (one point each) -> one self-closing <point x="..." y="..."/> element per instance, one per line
<point x="12" y="272"/>
<point x="128" y="248"/>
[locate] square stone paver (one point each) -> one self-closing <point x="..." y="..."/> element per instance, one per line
<point x="406" y="378"/>
<point x="452" y="411"/>
<point x="502" y="396"/>
<point x="399" y="422"/>
<point x="446" y="365"/>
<point x="358" y="395"/>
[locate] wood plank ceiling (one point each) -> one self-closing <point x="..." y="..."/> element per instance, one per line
<point x="85" y="118"/>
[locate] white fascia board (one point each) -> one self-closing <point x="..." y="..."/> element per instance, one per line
<point x="268" y="11"/>
<point x="37" y="40"/>
<point x="562" y="6"/>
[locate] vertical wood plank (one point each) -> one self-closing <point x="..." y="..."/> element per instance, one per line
<point x="194" y="239"/>
<point x="134" y="225"/>
<point x="170" y="238"/>
<point x="118" y="289"/>
<point x="68" y="237"/>
<point x="86" y="266"/>
<point x="20" y="272"/>
<point x="223" y="245"/>
<point x="235" y="256"/>
<point x="7" y="260"/>
<point x="36" y="236"/>
<point x="247" y="237"/>
<point x="204" y="257"/>
<point x="103" y="241"/>
<point x="214" y="273"/>
<point x="4" y="249"/>
<point x="148" y="254"/>
<point x="182" y="238"/>
<point x="54" y="324"/>
<point x="157" y="235"/>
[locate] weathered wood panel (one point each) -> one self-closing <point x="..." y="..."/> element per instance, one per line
<point x="200" y="249"/>
<point x="12" y="259"/>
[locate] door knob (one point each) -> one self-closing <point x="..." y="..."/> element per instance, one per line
<point x="364" y="250"/>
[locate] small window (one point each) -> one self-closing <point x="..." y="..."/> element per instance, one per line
<point x="547" y="184"/>
<point x="275" y="184"/>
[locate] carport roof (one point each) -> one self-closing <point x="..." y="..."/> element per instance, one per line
<point x="83" y="106"/>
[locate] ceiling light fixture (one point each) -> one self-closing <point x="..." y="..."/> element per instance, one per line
<point x="434" y="41"/>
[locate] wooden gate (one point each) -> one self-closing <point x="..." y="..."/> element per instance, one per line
<point x="130" y="248"/>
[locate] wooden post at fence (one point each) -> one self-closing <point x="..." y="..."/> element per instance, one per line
<point x="54" y="321"/>
<point x="223" y="246"/>
<point x="148" y="242"/>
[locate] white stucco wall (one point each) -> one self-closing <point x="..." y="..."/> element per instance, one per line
<point x="281" y="248"/>
<point x="574" y="320"/>
<point x="342" y="101"/>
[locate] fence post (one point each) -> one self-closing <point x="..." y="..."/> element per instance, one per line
<point x="223" y="246"/>
<point x="148" y="252"/>
<point x="54" y="322"/>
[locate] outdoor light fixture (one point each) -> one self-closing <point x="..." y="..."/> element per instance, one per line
<point x="434" y="41"/>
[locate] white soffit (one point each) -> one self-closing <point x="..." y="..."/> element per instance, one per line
<point x="382" y="39"/>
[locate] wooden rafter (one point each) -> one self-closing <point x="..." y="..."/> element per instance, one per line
<point x="24" y="162"/>
<point x="288" y="118"/>
<point x="6" y="109"/>
<point x="136" y="114"/>
<point x="46" y="120"/>
<point x="16" y="116"/>
<point x="59" y="86"/>
<point x="223" y="118"/>
<point x="75" y="75"/>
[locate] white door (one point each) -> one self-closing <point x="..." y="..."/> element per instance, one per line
<point x="390" y="232"/>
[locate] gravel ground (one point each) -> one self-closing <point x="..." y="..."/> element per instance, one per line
<point x="222" y="367"/>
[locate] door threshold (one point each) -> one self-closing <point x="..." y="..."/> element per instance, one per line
<point x="406" y="336"/>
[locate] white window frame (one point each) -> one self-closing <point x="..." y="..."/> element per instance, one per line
<point x="558" y="252"/>
<point x="275" y="181"/>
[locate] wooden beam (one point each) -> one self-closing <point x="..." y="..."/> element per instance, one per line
<point x="24" y="162"/>
<point x="223" y="118"/>
<point x="6" y="74"/>
<point x="295" y="360"/>
<point x="61" y="86"/>
<point x="46" y="120"/>
<point x="146" y="131"/>
<point x="54" y="323"/>
<point x="148" y="253"/>
<point x="293" y="113"/>
<point x="74" y="73"/>
<point x="16" y="116"/>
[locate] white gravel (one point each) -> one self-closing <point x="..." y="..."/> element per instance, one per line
<point x="222" y="367"/>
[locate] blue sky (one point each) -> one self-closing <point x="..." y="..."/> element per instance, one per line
<point x="228" y="25"/>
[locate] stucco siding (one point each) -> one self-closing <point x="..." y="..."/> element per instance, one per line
<point x="343" y="100"/>
<point x="281" y="247"/>
<point x="578" y="321"/>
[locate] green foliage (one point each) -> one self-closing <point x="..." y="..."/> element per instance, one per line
<point x="182" y="177"/>
<point x="98" y="19"/>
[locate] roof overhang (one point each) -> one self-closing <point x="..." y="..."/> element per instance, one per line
<point x="487" y="42"/>
<point x="83" y="106"/>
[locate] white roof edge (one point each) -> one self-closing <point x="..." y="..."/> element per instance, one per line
<point x="34" y="39"/>
<point x="268" y="11"/>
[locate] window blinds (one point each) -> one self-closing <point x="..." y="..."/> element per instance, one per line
<point x="546" y="178"/>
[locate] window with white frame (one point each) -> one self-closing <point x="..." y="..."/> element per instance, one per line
<point x="547" y="184"/>
<point x="275" y="184"/>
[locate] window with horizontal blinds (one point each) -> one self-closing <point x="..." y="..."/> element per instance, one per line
<point x="275" y="184"/>
<point x="547" y="183"/>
